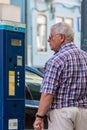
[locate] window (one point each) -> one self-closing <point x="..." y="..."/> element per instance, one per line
<point x="64" y="19"/>
<point x="69" y="21"/>
<point x="59" y="19"/>
<point x="41" y="33"/>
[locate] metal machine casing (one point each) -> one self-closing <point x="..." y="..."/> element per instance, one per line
<point x="12" y="75"/>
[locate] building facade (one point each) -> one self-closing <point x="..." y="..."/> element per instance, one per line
<point x="39" y="15"/>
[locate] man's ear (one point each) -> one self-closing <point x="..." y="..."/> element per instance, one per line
<point x="62" y="38"/>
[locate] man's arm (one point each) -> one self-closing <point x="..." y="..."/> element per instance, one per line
<point x="45" y="102"/>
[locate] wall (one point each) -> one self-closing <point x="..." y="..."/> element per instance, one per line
<point x="64" y="10"/>
<point x="29" y="14"/>
<point x="20" y="3"/>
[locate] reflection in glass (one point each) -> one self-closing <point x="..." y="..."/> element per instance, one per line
<point x="33" y="82"/>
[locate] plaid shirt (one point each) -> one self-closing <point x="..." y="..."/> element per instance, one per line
<point x="65" y="76"/>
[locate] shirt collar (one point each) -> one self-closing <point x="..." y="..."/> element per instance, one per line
<point x="63" y="46"/>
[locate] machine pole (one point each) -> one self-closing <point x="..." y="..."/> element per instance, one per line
<point x="84" y="25"/>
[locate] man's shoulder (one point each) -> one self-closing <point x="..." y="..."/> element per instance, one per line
<point x="56" y="60"/>
<point x="83" y="52"/>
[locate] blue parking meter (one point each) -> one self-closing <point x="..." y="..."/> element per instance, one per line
<point x="12" y="75"/>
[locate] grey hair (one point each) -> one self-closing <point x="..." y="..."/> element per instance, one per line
<point x="64" y="28"/>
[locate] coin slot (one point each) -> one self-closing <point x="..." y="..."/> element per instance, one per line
<point x="10" y="60"/>
<point x="15" y="105"/>
<point x="15" y="65"/>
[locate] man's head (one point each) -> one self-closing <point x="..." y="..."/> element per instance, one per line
<point x="60" y="33"/>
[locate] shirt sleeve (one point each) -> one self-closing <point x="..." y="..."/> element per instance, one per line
<point x="51" y="77"/>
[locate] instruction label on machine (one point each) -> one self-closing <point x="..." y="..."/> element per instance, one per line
<point x="11" y="83"/>
<point x="19" y="60"/>
<point x="13" y="124"/>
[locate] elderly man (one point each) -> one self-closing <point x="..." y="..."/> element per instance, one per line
<point x="64" y="86"/>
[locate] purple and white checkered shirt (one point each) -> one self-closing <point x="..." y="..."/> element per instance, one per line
<point x="65" y="76"/>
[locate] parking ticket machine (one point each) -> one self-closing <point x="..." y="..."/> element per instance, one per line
<point x="12" y="75"/>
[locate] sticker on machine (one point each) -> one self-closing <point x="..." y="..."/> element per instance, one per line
<point x="11" y="88"/>
<point x="13" y="124"/>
